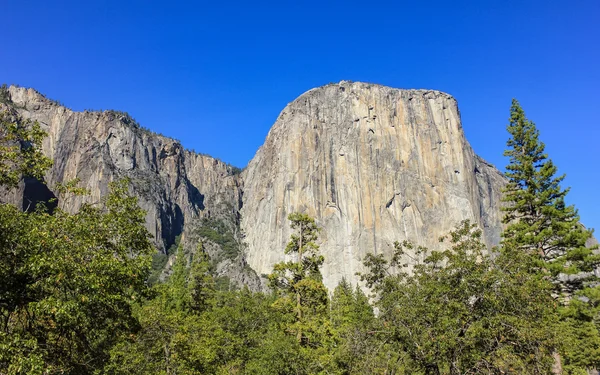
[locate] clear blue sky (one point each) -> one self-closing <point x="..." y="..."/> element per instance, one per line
<point x="216" y="74"/>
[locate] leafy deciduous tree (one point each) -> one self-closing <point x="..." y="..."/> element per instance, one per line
<point x="20" y="150"/>
<point x="70" y="280"/>
<point x="460" y="312"/>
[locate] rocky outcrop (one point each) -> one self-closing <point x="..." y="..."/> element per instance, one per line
<point x="373" y="165"/>
<point x="179" y="189"/>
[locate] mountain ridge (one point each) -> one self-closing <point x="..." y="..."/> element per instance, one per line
<point x="408" y="143"/>
<point x="181" y="191"/>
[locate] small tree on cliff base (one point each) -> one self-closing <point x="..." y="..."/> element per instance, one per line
<point x="300" y="282"/>
<point x="538" y="219"/>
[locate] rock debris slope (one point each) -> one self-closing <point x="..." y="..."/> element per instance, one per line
<point x="373" y="165"/>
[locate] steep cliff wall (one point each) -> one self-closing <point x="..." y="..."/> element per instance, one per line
<point x="179" y="189"/>
<point x="373" y="165"/>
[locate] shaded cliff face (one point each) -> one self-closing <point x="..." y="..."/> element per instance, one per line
<point x="373" y="165"/>
<point x="179" y="189"/>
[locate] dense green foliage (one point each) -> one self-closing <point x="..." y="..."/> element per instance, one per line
<point x="541" y="225"/>
<point x="190" y="327"/>
<point x="68" y="284"/>
<point x="20" y="150"/>
<point x="159" y="261"/>
<point x="460" y="312"/>
<point x="539" y="221"/>
<point x="68" y="280"/>
<point x="218" y="232"/>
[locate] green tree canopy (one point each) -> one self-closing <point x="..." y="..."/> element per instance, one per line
<point x="460" y="312"/>
<point x="539" y="221"/>
<point x="68" y="284"/>
<point x="299" y="282"/>
<point x="20" y="150"/>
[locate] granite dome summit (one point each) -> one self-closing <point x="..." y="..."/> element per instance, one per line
<point x="373" y="165"/>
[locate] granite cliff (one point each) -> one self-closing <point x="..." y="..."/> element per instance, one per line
<point x="186" y="195"/>
<point x="371" y="163"/>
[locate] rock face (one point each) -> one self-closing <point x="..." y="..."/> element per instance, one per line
<point x="178" y="188"/>
<point x="373" y="165"/>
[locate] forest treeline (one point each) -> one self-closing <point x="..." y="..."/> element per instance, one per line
<point x="75" y="296"/>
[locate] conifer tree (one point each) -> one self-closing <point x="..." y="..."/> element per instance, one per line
<point x="301" y="280"/>
<point x="353" y="321"/>
<point x="201" y="283"/>
<point x="539" y="221"/>
<point x="541" y="224"/>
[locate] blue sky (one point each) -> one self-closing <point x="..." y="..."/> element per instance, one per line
<point x="216" y="74"/>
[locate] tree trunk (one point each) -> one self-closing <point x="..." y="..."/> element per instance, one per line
<point x="167" y="352"/>
<point x="298" y="304"/>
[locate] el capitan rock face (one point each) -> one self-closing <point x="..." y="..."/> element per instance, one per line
<point x="373" y="165"/>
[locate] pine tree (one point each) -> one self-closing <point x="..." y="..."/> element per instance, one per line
<point x="342" y="303"/>
<point x="539" y="221"/>
<point x="541" y="224"/>
<point x="201" y="282"/>
<point x="300" y="282"/>
<point x="353" y="322"/>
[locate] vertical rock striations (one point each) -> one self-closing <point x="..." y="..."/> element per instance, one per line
<point x="179" y="189"/>
<point x="373" y="165"/>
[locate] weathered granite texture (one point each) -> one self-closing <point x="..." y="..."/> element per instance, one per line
<point x="373" y="165"/>
<point x="176" y="187"/>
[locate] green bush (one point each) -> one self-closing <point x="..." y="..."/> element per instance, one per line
<point x="216" y="231"/>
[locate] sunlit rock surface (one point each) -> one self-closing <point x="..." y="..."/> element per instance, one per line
<point x="373" y="165"/>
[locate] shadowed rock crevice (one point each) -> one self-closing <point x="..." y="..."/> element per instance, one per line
<point x="35" y="192"/>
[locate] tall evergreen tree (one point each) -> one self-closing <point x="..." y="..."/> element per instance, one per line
<point x="541" y="224"/>
<point x="201" y="282"/>
<point x="539" y="221"/>
<point x="301" y="279"/>
<point x="357" y="347"/>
